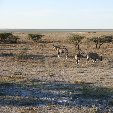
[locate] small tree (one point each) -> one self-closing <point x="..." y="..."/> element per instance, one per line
<point x="35" y="37"/>
<point x="101" y="40"/>
<point x="96" y="40"/>
<point x="76" y="40"/>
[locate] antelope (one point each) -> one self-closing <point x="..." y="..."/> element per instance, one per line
<point x="94" y="56"/>
<point x="61" y="51"/>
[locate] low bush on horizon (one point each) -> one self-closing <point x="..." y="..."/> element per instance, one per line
<point x="8" y="38"/>
<point x="35" y="37"/>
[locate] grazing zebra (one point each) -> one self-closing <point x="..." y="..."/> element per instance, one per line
<point x="94" y="56"/>
<point x="61" y="51"/>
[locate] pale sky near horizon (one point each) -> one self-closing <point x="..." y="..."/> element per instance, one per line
<point x="56" y="14"/>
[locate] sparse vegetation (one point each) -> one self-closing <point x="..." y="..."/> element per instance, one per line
<point x="23" y="54"/>
<point x="8" y="38"/>
<point x="38" y="77"/>
<point x="35" y="37"/>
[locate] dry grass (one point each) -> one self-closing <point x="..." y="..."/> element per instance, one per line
<point x="39" y="61"/>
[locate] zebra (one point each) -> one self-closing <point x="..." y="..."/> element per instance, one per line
<point x="61" y="51"/>
<point x="77" y="57"/>
<point x="94" y="56"/>
<point x="80" y="54"/>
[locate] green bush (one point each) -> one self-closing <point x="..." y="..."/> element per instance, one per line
<point x="35" y="37"/>
<point x="76" y="40"/>
<point x="106" y="39"/>
<point x="8" y="38"/>
<point x="101" y="40"/>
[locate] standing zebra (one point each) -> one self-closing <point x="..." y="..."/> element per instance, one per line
<point x="77" y="57"/>
<point x="61" y="51"/>
<point x="80" y="54"/>
<point x="94" y="56"/>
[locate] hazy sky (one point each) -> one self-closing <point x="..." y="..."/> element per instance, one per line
<point x="56" y="14"/>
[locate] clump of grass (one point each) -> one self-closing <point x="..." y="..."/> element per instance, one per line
<point x="29" y="110"/>
<point x="6" y="80"/>
<point x="79" y="82"/>
<point x="17" y="73"/>
<point x="23" y="54"/>
<point x="6" y="84"/>
<point x="10" y="80"/>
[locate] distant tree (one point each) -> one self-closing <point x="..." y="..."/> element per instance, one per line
<point x="99" y="41"/>
<point x="35" y="37"/>
<point x="76" y="40"/>
<point x="95" y="40"/>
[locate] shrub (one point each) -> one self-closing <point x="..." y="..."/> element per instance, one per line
<point x="101" y="40"/>
<point x="12" y="39"/>
<point x="8" y="38"/>
<point x="35" y="37"/>
<point x="107" y="39"/>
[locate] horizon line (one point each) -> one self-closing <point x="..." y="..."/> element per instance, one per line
<point x="55" y="30"/>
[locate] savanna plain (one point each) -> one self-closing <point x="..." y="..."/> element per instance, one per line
<point x="34" y="80"/>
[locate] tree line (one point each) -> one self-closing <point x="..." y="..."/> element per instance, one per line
<point x="75" y="39"/>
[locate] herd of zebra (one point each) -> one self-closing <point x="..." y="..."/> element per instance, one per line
<point x="90" y="55"/>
